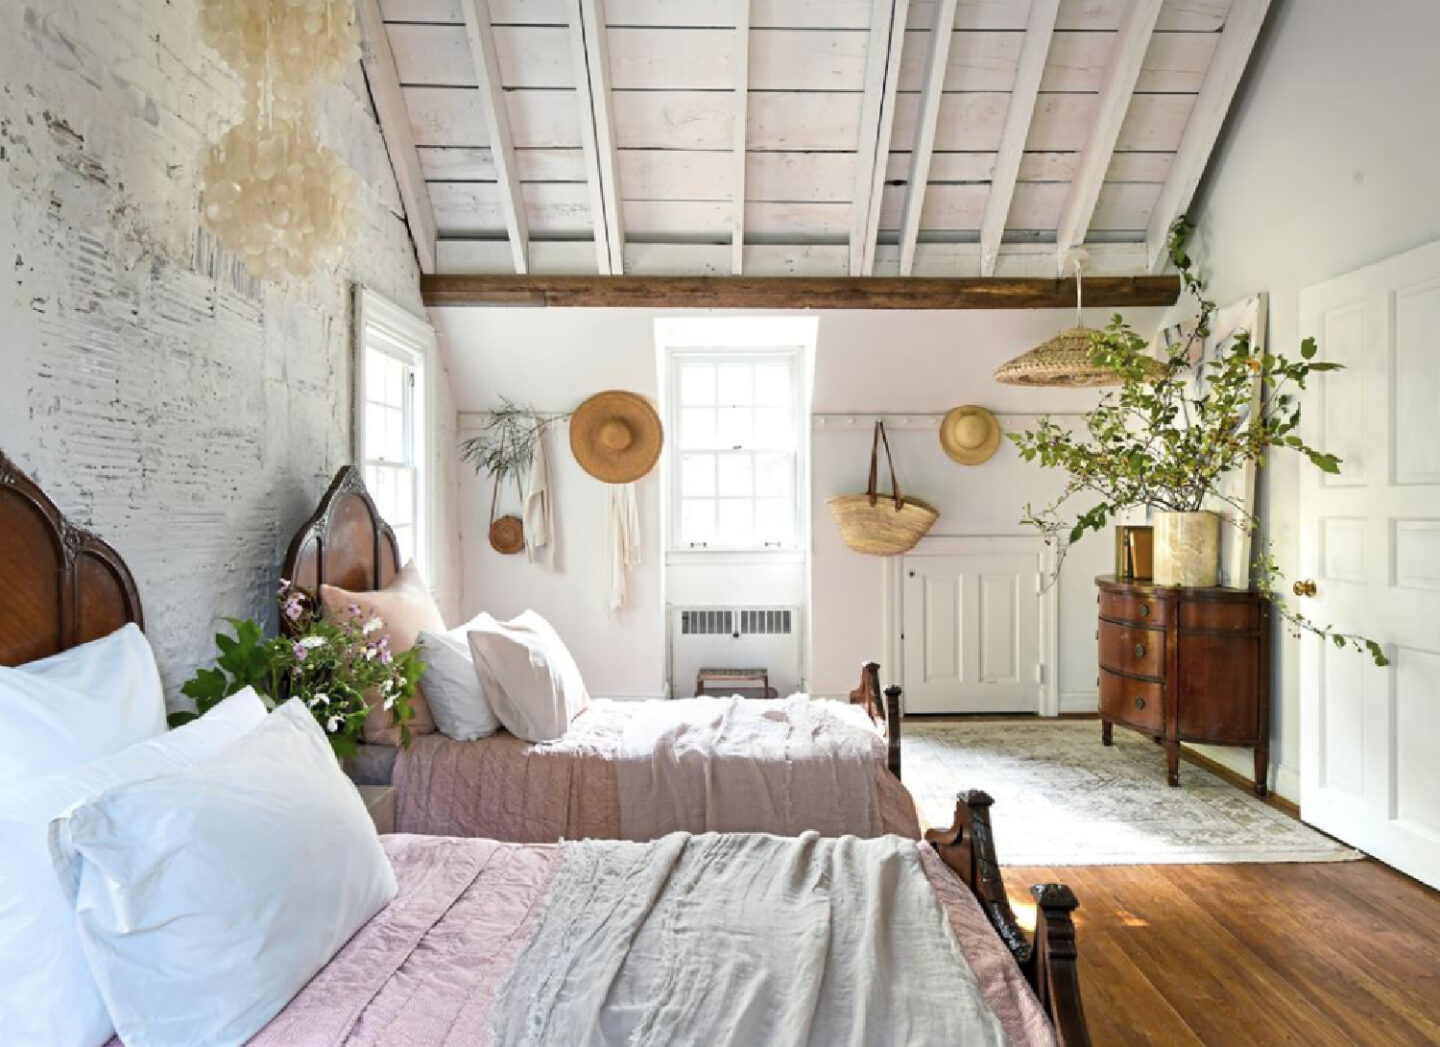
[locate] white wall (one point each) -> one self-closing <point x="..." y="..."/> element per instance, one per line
<point x="186" y="413"/>
<point x="866" y="362"/>
<point x="1329" y="163"/>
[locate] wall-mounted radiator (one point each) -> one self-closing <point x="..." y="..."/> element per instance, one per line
<point x="734" y="638"/>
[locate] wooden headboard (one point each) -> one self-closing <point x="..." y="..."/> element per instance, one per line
<point x="59" y="586"/>
<point x="344" y="543"/>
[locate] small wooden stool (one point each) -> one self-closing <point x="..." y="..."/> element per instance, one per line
<point x="748" y="682"/>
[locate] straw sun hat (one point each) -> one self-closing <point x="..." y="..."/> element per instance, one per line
<point x="616" y="436"/>
<point x="969" y="434"/>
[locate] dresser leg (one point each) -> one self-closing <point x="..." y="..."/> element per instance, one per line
<point x="1262" y="771"/>
<point x="1172" y="761"/>
<point x="1107" y="733"/>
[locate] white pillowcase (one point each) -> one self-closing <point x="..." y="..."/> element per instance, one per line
<point x="47" y="996"/>
<point x="452" y="686"/>
<point x="528" y="674"/>
<point x="79" y="705"/>
<point x="206" y="899"/>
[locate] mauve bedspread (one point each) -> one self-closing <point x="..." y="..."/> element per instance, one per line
<point x="505" y="788"/>
<point x="425" y="972"/>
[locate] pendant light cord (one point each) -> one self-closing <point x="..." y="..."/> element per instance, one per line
<point x="1079" y="291"/>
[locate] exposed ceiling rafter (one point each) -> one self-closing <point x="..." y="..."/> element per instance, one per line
<point x="597" y="130"/>
<point x="742" y="123"/>
<point x="379" y="65"/>
<point x="877" y="118"/>
<point x="1116" y="90"/>
<point x="497" y="121"/>
<point x="937" y="63"/>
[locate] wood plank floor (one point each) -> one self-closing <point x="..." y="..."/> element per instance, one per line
<point x="1238" y="955"/>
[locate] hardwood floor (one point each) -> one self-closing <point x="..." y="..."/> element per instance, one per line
<point x="1237" y="955"/>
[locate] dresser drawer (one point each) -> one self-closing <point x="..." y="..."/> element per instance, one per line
<point x="1220" y="615"/>
<point x="1132" y="649"/>
<point x="1136" y="607"/>
<point x="1136" y="703"/>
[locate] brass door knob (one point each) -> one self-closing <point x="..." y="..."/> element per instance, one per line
<point x="1304" y="588"/>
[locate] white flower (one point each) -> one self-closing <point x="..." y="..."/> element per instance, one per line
<point x="370" y="654"/>
<point x="320" y="698"/>
<point x="374" y="625"/>
<point x="332" y="725"/>
<point x="312" y="642"/>
<point x="386" y="686"/>
<point x="390" y="702"/>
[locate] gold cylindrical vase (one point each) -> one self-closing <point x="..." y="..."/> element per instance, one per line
<point x="1187" y="549"/>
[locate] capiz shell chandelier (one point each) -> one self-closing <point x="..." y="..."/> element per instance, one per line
<point x="272" y="193"/>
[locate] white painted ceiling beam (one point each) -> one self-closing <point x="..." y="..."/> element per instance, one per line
<point x="936" y="65"/>
<point x="379" y="65"/>
<point x="1237" y="40"/>
<point x="597" y="130"/>
<point x="877" y="118"/>
<point x="1034" y="52"/>
<point x="1116" y="89"/>
<point x="497" y="120"/>
<point x="742" y="122"/>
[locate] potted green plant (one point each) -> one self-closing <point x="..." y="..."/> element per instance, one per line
<point x="1164" y="441"/>
<point x="337" y="666"/>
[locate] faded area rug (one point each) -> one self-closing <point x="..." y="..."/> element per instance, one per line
<point x="1061" y="798"/>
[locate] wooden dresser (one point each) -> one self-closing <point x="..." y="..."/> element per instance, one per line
<point x="1186" y="665"/>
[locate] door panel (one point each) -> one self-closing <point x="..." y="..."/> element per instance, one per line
<point x="971" y="633"/>
<point x="1370" y="737"/>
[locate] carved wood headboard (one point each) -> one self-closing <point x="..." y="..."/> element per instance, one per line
<point x="344" y="543"/>
<point x="59" y="586"/>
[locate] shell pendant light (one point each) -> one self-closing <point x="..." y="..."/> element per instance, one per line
<point x="1063" y="360"/>
<point x="272" y="193"/>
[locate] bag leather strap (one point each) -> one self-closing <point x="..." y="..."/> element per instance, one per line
<point x="871" y="489"/>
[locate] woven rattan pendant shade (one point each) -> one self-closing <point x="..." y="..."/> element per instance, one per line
<point x="1063" y="360"/>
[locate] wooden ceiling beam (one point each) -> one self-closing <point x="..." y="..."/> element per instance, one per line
<point x="497" y="121"/>
<point x="936" y="65"/>
<point x="1034" y="53"/>
<point x="745" y="292"/>
<point x="597" y="130"/>
<point x="1232" y="54"/>
<point x="877" y="118"/>
<point x="742" y="123"/>
<point x="378" y="63"/>
<point x="1116" y="89"/>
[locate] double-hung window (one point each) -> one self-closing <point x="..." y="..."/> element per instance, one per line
<point x="737" y="456"/>
<point x="395" y="354"/>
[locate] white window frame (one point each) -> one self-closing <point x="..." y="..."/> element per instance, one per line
<point x="795" y="354"/>
<point x="382" y="325"/>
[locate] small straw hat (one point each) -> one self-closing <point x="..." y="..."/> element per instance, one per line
<point x="969" y="434"/>
<point x="616" y="436"/>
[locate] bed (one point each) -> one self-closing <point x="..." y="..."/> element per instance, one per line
<point x="432" y="967"/>
<point x="579" y="786"/>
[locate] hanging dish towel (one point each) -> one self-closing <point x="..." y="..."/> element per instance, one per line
<point x="538" y="512"/>
<point x="622" y="542"/>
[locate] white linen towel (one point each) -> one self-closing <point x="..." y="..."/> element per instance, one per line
<point x="622" y="542"/>
<point x="538" y="512"/>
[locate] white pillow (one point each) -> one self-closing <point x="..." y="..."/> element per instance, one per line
<point x="528" y="674"/>
<point x="47" y="996"/>
<point x="452" y="686"/>
<point x="205" y="899"/>
<point x="79" y="705"/>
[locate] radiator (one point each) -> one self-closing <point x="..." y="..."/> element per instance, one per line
<point x="735" y="637"/>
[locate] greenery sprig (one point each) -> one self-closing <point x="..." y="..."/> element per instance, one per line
<point x="1170" y="433"/>
<point x="506" y="441"/>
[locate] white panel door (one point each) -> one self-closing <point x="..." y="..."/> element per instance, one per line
<point x="971" y="633"/>
<point x="1370" y="539"/>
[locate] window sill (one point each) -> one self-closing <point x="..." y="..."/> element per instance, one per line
<point x="735" y="556"/>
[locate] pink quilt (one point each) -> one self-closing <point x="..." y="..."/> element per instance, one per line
<point x="505" y="788"/>
<point x="426" y="970"/>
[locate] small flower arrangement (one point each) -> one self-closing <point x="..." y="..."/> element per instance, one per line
<point x="331" y="665"/>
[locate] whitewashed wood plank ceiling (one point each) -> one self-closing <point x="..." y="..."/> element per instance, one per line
<point x="629" y="108"/>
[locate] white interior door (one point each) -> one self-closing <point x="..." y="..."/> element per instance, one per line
<point x="971" y="633"/>
<point x="1370" y="737"/>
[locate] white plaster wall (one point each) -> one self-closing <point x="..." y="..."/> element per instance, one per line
<point x="186" y="413"/>
<point x="1328" y="164"/>
<point x="866" y="362"/>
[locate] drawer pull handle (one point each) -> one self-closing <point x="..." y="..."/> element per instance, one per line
<point x="1139" y="703"/>
<point x="1139" y="650"/>
<point x="1144" y="610"/>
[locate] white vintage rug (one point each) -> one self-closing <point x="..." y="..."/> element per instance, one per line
<point x="1061" y="798"/>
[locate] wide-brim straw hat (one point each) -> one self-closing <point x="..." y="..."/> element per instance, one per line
<point x="616" y="436"/>
<point x="969" y="434"/>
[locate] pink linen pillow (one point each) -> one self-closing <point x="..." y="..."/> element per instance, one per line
<point x="407" y="609"/>
<point x="528" y="675"/>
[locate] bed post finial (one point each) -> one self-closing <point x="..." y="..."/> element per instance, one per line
<point x="892" y="728"/>
<point x="1056" y="979"/>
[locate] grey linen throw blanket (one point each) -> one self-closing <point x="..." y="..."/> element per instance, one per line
<point x="735" y="941"/>
<point x="743" y="765"/>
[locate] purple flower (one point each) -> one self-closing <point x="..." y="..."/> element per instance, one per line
<point x="299" y="651"/>
<point x="293" y="607"/>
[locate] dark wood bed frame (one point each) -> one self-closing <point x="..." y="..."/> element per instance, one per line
<point x="61" y="586"/>
<point x="346" y="543"/>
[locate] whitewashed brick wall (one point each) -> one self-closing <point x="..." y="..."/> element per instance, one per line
<point x="186" y="413"/>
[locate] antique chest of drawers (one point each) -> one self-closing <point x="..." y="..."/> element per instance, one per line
<point x="1186" y="665"/>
